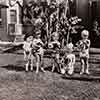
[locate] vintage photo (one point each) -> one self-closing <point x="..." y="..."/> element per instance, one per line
<point x="49" y="50"/>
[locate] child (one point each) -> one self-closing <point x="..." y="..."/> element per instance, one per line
<point x="83" y="46"/>
<point x="55" y="45"/>
<point x="69" y="60"/>
<point x="38" y="51"/>
<point x="27" y="50"/>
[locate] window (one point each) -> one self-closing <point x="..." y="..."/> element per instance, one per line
<point x="13" y="16"/>
<point x="11" y="29"/>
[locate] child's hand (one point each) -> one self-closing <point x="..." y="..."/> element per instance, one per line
<point x="76" y="49"/>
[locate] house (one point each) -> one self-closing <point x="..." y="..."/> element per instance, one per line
<point x="10" y="19"/>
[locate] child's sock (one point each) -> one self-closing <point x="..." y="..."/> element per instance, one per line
<point x="82" y="70"/>
<point x="31" y="67"/>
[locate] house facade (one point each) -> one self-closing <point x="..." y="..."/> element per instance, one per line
<point x="10" y="20"/>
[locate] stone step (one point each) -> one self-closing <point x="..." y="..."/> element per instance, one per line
<point x="19" y="38"/>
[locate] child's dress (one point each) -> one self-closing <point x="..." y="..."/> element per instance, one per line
<point x="37" y="46"/>
<point x="69" y="63"/>
<point x="83" y="46"/>
<point x="69" y="60"/>
<point x="27" y="50"/>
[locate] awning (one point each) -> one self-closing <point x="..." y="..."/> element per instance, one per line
<point x="3" y="6"/>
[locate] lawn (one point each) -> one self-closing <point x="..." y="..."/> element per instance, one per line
<point x="16" y="84"/>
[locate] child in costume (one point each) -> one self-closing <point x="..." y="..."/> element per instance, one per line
<point x="84" y="46"/>
<point x="55" y="45"/>
<point x="27" y="50"/>
<point x="37" y="51"/>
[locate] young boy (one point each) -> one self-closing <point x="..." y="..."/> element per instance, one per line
<point x="37" y="50"/>
<point x="83" y="46"/>
<point x="27" y="50"/>
<point x="55" y="45"/>
<point x="69" y="60"/>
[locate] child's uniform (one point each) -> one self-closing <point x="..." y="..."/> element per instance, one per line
<point x="83" y="47"/>
<point x="37" y="52"/>
<point x="37" y="46"/>
<point x="55" y="45"/>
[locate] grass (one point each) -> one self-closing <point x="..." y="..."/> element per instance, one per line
<point x="16" y="84"/>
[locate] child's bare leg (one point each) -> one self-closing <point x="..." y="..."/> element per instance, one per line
<point x="32" y="63"/>
<point x="41" y="62"/>
<point x="53" y="66"/>
<point x="82" y="65"/>
<point x="87" y="66"/>
<point x="27" y="65"/>
<point x="37" y="63"/>
<point x="57" y="61"/>
<point x="24" y="55"/>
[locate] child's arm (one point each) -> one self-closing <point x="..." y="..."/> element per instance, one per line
<point x="78" y="46"/>
<point x="24" y="45"/>
<point x="87" y="44"/>
<point x="73" y="60"/>
<point x="30" y="53"/>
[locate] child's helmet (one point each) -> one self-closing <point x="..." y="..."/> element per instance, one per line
<point x="85" y="33"/>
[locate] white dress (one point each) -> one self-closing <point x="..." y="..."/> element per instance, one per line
<point x="38" y="46"/>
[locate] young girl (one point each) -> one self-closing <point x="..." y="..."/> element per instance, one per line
<point x="37" y="51"/>
<point x="84" y="46"/>
<point x="27" y="50"/>
<point x="69" y="60"/>
<point x="55" y="45"/>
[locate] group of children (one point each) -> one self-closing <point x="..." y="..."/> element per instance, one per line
<point x="33" y="48"/>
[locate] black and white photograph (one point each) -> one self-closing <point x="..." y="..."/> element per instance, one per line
<point x="49" y="49"/>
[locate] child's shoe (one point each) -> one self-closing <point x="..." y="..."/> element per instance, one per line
<point x="87" y="72"/>
<point x="70" y="72"/>
<point x="63" y="71"/>
<point x="42" y="69"/>
<point x="81" y="72"/>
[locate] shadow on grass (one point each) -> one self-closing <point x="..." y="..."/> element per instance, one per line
<point x="14" y="68"/>
<point x="89" y="78"/>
